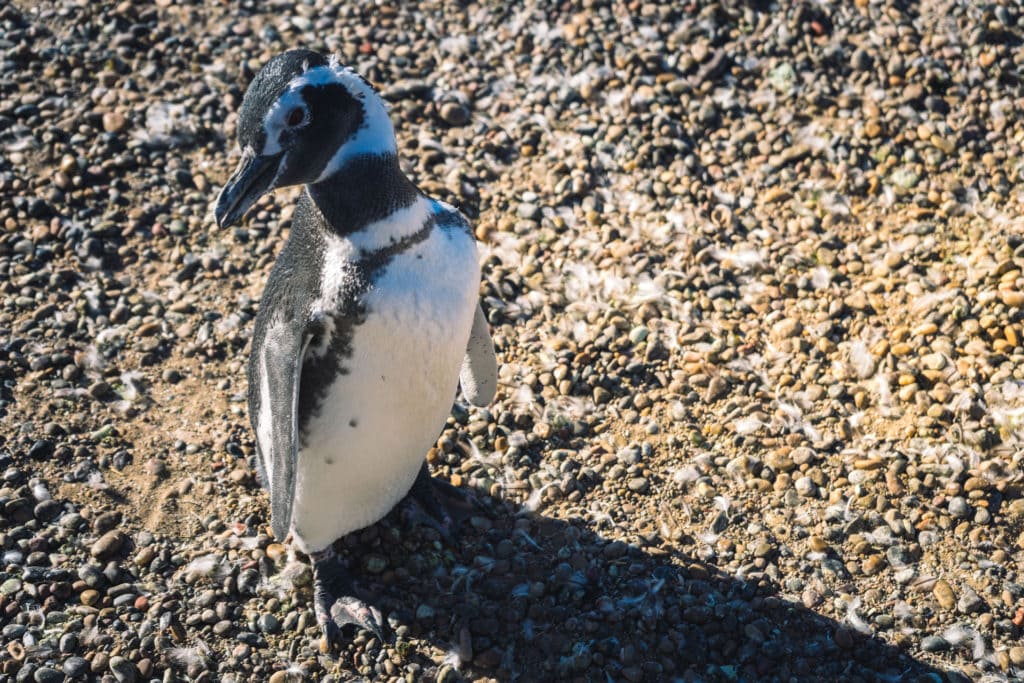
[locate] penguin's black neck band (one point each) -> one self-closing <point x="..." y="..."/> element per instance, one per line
<point x="366" y="189"/>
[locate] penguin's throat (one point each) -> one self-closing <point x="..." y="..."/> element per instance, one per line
<point x="365" y="190"/>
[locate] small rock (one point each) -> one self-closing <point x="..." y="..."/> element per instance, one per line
<point x="934" y="644"/>
<point x="46" y="674"/>
<point x="970" y="602"/>
<point x="107" y="545"/>
<point x="74" y="667"/>
<point x="638" y="484"/>
<point x="718" y="388"/>
<point x="454" y="113"/>
<point x="114" y="122"/>
<point x="46" y="510"/>
<point x="958" y="507"/>
<point x="145" y="556"/>
<point x="787" y="327"/>
<point x="268" y="623"/>
<point x="943" y="592"/>
<point x="806" y="487"/>
<point x="124" y="671"/>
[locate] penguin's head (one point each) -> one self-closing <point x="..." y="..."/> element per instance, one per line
<point x="303" y="118"/>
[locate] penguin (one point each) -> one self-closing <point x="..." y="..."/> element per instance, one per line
<point x="369" y="322"/>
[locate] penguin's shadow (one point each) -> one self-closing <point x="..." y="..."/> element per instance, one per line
<point x="522" y="596"/>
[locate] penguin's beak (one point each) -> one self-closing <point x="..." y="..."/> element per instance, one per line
<point x="253" y="178"/>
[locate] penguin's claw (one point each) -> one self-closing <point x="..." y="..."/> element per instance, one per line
<point x="335" y="606"/>
<point x="350" y="610"/>
<point x="342" y="612"/>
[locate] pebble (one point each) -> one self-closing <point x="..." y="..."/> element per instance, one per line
<point x="944" y="594"/>
<point x="107" y="545"/>
<point x="268" y="623"/>
<point x="958" y="507"/>
<point x="934" y="644"/>
<point x="46" y="674"/>
<point x="114" y="122"/>
<point x="75" y="667"/>
<point x="638" y="484"/>
<point x="454" y="113"/>
<point x="969" y="601"/>
<point x="124" y="671"/>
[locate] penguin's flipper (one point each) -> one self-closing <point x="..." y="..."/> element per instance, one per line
<point x="280" y="371"/>
<point x="479" y="374"/>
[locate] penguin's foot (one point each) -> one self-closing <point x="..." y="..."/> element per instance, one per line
<point x="335" y="605"/>
<point x="439" y="505"/>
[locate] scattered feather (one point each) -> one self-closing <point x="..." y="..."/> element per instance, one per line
<point x="453" y="658"/>
<point x="39" y="490"/>
<point x="854" y="619"/>
<point x="204" y="565"/>
<point x="747" y="425"/>
<point x="687" y="474"/>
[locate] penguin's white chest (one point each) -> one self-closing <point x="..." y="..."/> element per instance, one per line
<point x="364" y="447"/>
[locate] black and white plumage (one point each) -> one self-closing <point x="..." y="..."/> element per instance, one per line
<point x="369" y="316"/>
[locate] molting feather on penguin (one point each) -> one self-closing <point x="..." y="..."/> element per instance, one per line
<point x="369" y="321"/>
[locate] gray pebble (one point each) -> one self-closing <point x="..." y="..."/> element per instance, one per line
<point x="75" y="666"/>
<point x="638" y="484"/>
<point x="124" y="671"/>
<point x="46" y="674"/>
<point x="268" y="623"/>
<point x="934" y="644"/>
<point x="958" y="507"/>
<point x="454" y="113"/>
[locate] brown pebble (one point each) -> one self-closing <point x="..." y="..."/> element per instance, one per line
<point x="107" y="545"/>
<point x="943" y="592"/>
<point x="145" y="556"/>
<point x="89" y="597"/>
<point x="114" y="122"/>
<point x="145" y="667"/>
<point x="873" y="564"/>
<point x="156" y="467"/>
<point x="16" y="650"/>
<point x="1011" y="297"/>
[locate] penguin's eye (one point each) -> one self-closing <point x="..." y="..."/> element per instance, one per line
<point x="295" y="117"/>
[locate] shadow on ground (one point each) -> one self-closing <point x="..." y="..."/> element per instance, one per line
<point x="530" y="598"/>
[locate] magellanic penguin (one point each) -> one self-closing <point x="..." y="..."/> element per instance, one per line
<point x="369" y="320"/>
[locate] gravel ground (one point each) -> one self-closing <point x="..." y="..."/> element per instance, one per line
<point x="755" y="273"/>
